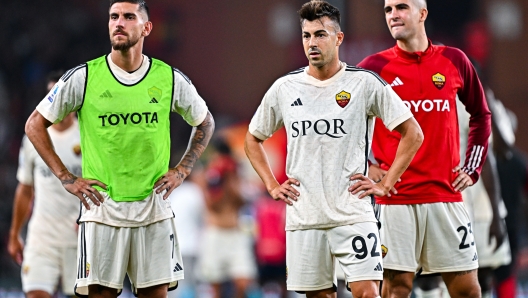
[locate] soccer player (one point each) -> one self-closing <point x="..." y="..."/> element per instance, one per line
<point x="123" y="101"/>
<point x="227" y="252"/>
<point x="328" y="110"/>
<point x="51" y="243"/>
<point x="425" y="225"/>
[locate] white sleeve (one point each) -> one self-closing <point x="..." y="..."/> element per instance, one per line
<point x="186" y="100"/>
<point x="386" y="104"/>
<point x="26" y="162"/>
<point x="268" y="118"/>
<point x="66" y="96"/>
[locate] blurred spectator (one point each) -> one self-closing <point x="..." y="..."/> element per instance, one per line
<point x="226" y="253"/>
<point x="512" y="169"/>
<point x="187" y="202"/>
<point x="49" y="258"/>
<point x="270" y="244"/>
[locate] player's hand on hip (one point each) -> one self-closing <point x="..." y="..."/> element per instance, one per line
<point x="84" y="190"/>
<point x="170" y="181"/>
<point x="462" y="181"/>
<point x="376" y="173"/>
<point x="15" y="247"/>
<point x="367" y="186"/>
<point x="286" y="192"/>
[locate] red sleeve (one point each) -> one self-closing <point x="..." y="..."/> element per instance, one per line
<point x="374" y="63"/>
<point x="471" y="94"/>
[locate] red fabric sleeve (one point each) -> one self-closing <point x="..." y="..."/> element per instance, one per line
<point x="472" y="96"/>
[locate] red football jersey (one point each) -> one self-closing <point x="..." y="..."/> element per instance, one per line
<point x="429" y="83"/>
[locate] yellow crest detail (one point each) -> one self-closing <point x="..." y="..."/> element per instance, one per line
<point x="439" y="80"/>
<point x="343" y="98"/>
<point x="384" y="251"/>
<point x="154" y="92"/>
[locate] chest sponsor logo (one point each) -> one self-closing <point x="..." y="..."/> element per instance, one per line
<point x="439" y="80"/>
<point x="343" y="98"/>
<point x="332" y="128"/>
<point x="129" y="118"/>
<point x="428" y="105"/>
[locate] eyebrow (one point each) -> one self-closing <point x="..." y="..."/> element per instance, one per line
<point x="318" y="31"/>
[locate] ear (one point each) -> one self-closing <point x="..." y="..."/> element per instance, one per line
<point x="423" y="14"/>
<point x="340" y="37"/>
<point x="147" y="28"/>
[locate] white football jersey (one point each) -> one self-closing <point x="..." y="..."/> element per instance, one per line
<point x="68" y="95"/>
<point x="55" y="211"/>
<point x="329" y="125"/>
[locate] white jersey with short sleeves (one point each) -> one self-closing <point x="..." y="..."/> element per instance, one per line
<point x="55" y="211"/>
<point x="329" y="126"/>
<point x="68" y="96"/>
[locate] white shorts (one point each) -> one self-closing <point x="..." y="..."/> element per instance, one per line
<point x="310" y="256"/>
<point x="150" y="255"/>
<point x="488" y="257"/>
<point x="432" y="238"/>
<point x="44" y="266"/>
<point x="226" y="254"/>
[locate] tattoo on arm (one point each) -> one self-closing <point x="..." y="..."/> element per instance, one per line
<point x="200" y="137"/>
<point x="70" y="180"/>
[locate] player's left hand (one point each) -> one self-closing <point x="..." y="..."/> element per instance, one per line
<point x="170" y="181"/>
<point x="368" y="187"/>
<point x="462" y="181"/>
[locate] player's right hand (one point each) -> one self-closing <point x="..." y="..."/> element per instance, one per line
<point x="82" y="188"/>
<point x="15" y="247"/>
<point x="376" y="173"/>
<point x="286" y="192"/>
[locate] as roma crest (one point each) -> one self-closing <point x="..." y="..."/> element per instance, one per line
<point x="343" y="98"/>
<point x="439" y="80"/>
<point x="154" y="94"/>
<point x="384" y="251"/>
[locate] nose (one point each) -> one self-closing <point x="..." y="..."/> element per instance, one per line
<point x="312" y="43"/>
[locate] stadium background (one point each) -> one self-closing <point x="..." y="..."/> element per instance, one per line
<point x="232" y="50"/>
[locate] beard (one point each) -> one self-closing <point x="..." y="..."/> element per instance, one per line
<point x="123" y="45"/>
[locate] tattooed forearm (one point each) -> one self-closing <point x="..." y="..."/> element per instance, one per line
<point x="200" y="137"/>
<point x="70" y="180"/>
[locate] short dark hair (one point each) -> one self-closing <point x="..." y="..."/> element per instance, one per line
<point x="142" y="5"/>
<point x="317" y="9"/>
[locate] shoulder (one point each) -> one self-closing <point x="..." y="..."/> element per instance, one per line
<point x="78" y="71"/>
<point x="378" y="61"/>
<point x="180" y="76"/>
<point x="366" y="74"/>
<point x="289" y="77"/>
<point x="455" y="55"/>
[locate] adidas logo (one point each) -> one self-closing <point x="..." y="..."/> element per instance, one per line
<point x="297" y="102"/>
<point x="397" y="82"/>
<point x="106" y="94"/>
<point x="177" y="268"/>
<point x="378" y="267"/>
<point x="475" y="257"/>
<point x="153" y="101"/>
